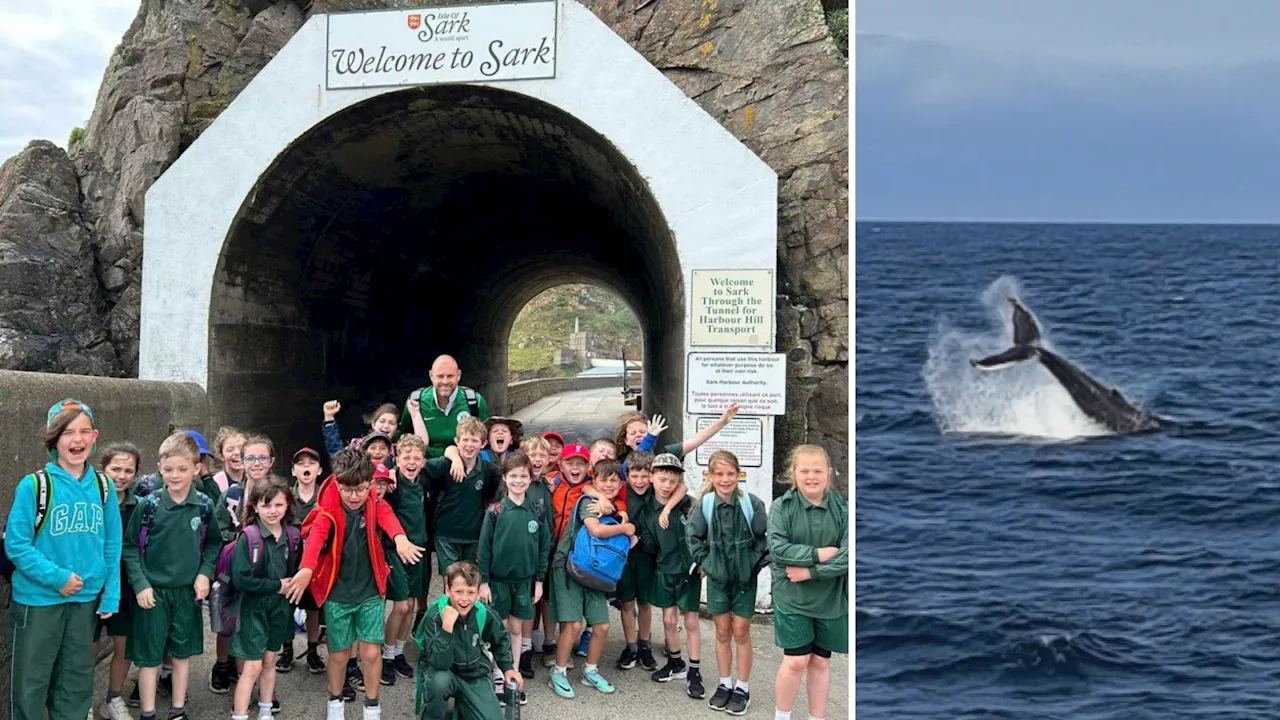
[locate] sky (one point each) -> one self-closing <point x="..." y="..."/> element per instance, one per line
<point x="52" y="57"/>
<point x="1114" y="111"/>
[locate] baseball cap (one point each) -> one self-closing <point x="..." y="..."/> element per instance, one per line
<point x="667" y="460"/>
<point x="68" y="404"/>
<point x="204" y="447"/>
<point x="376" y="436"/>
<point x="306" y="451"/>
<point x="380" y="472"/>
<point x="553" y="435"/>
<point x="575" y="450"/>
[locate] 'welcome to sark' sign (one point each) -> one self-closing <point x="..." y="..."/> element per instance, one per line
<point x="467" y="43"/>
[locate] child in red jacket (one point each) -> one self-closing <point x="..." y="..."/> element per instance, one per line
<point x="343" y="564"/>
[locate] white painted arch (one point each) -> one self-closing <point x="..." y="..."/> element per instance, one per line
<point x="718" y="199"/>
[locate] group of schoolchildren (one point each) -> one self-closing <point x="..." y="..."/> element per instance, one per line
<point x="503" y="515"/>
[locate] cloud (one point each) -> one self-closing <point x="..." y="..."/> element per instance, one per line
<point x="54" y="53"/>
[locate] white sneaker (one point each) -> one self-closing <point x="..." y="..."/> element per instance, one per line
<point x="116" y="709"/>
<point x="337" y="710"/>
<point x="373" y="713"/>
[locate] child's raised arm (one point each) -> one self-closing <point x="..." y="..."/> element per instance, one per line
<point x="332" y="437"/>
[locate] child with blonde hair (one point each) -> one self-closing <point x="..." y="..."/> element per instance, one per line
<point x="809" y="540"/>
<point x="728" y="538"/>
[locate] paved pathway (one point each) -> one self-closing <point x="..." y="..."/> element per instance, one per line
<point x="580" y="415"/>
<point x="303" y="695"/>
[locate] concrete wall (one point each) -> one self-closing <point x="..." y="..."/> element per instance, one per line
<point x="142" y="412"/>
<point x="521" y="395"/>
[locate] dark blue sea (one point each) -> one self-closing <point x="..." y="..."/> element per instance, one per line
<point x="1015" y="561"/>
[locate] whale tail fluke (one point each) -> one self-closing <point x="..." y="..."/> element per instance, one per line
<point x="1015" y="354"/>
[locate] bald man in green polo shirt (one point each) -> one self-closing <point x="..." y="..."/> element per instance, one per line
<point x="442" y="405"/>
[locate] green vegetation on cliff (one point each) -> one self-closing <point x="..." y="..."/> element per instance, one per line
<point x="548" y="320"/>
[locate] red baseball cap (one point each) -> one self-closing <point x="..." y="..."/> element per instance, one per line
<point x="553" y="435"/>
<point x="577" y="450"/>
<point x="380" y="472"/>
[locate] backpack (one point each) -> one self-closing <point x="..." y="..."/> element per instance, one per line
<point x="473" y="402"/>
<point x="225" y="600"/>
<point x="148" y="505"/>
<point x="44" y="498"/>
<point x="596" y="563"/>
<point x="748" y="511"/>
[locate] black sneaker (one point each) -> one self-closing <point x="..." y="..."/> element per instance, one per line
<point x="674" y="670"/>
<point x="133" y="700"/>
<point x="739" y="701"/>
<point x="627" y="660"/>
<point x="693" y="685"/>
<point x="348" y="691"/>
<point x="220" y="678"/>
<point x="720" y="700"/>
<point x="315" y="663"/>
<point x="388" y="672"/>
<point x="526" y="664"/>
<point x="284" y="663"/>
<point x="524" y="699"/>
<point x="165" y="685"/>
<point x="402" y="666"/>
<point x="647" y="661"/>
<point x="275" y="706"/>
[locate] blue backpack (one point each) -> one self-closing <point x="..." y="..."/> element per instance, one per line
<point x="596" y="563"/>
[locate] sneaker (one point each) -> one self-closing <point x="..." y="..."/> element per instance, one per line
<point x="180" y="714"/>
<point x="559" y="682"/>
<point x="627" y="660"/>
<point x="549" y="660"/>
<point x="315" y="663"/>
<point x="348" y="691"/>
<point x="115" y="709"/>
<point x="403" y="668"/>
<point x="673" y="670"/>
<point x="356" y="680"/>
<point x="134" y="700"/>
<point x="526" y="664"/>
<point x="284" y="663"/>
<point x="739" y="701"/>
<point x="720" y="699"/>
<point x="594" y="679"/>
<point x="647" y="661"/>
<point x="583" y="642"/>
<point x="693" y="685"/>
<point x="373" y="713"/>
<point x="388" y="672"/>
<point x="524" y="699"/>
<point x="337" y="710"/>
<point x="220" y="678"/>
<point x="164" y="684"/>
<point x="275" y="706"/>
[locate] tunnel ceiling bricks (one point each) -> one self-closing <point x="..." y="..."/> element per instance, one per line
<point x="718" y="199"/>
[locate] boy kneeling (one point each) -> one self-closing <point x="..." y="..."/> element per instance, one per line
<point x="453" y="662"/>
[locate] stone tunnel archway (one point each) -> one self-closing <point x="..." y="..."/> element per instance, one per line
<point x="272" y="243"/>
<point x="420" y="222"/>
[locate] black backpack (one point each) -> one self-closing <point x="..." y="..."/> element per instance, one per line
<point x="44" y="498"/>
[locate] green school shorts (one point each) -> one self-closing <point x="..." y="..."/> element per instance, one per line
<point x="740" y="601"/>
<point x="450" y="551"/>
<point x="637" y="579"/>
<point x="679" y="591"/>
<point x="570" y="602"/>
<point x="266" y="624"/>
<point x="174" y="627"/>
<point x="397" y="581"/>
<point x="792" y="630"/>
<point x="512" y="599"/>
<point x="347" y="623"/>
<point x="418" y="577"/>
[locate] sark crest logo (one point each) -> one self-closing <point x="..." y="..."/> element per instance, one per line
<point x="415" y="21"/>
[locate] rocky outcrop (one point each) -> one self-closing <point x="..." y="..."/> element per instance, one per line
<point x="51" y="308"/>
<point x="766" y="70"/>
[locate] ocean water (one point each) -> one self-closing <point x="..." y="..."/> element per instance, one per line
<point x="1014" y="560"/>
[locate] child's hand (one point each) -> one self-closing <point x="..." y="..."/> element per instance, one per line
<point x="514" y="678"/>
<point x="634" y="541"/>
<point x="664" y="518"/>
<point x="202" y="587"/>
<point x="448" y="616"/>
<point x="798" y="574"/>
<point x="73" y="586"/>
<point x="537" y="591"/>
<point x="407" y="551"/>
<point x="628" y="529"/>
<point x="146" y="599"/>
<point x="486" y="593"/>
<point x="331" y="410"/>
<point x="657" y="424"/>
<point x="298" y="585"/>
<point x="826" y="553"/>
<point x="105" y="616"/>
<point x="727" y="416"/>
<point x="413" y="404"/>
<point x="606" y="507"/>
<point x="457" y="470"/>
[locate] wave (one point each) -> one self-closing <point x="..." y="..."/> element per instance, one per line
<point x="1022" y="401"/>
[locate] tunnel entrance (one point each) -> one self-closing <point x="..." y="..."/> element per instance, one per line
<point x="417" y="223"/>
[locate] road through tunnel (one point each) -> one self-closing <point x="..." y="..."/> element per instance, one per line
<point x="420" y="222"/>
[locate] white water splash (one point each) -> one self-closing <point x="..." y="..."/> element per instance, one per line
<point x="1020" y="400"/>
